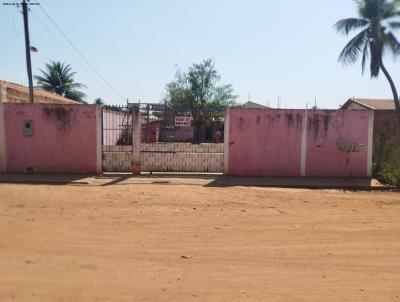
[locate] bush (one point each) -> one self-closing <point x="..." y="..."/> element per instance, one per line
<point x="390" y="173"/>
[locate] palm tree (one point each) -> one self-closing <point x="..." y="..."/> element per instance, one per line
<point x="59" y="78"/>
<point x="98" y="101"/>
<point x="377" y="20"/>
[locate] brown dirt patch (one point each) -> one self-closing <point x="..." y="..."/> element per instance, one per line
<point x="178" y="240"/>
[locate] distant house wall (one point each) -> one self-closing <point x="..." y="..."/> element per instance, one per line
<point x="273" y="142"/>
<point x="63" y="138"/>
<point x="386" y="122"/>
<point x="386" y="125"/>
<point x="354" y="105"/>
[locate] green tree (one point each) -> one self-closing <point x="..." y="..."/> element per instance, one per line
<point x="58" y="78"/>
<point x="197" y="93"/>
<point x="98" y="101"/>
<point x="390" y="170"/>
<point x="376" y="21"/>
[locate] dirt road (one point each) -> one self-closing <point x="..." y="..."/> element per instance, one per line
<point x="182" y="240"/>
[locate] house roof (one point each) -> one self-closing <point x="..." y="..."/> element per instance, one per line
<point x="252" y="105"/>
<point x="372" y="104"/>
<point x="41" y="96"/>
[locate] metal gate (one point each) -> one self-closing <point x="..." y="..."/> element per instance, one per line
<point x="174" y="141"/>
<point x="117" y="138"/>
<point x="170" y="140"/>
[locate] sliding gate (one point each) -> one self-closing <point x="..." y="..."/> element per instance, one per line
<point x="171" y="140"/>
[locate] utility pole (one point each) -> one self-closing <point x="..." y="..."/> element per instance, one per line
<point x="27" y="49"/>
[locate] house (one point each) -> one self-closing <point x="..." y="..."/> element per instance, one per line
<point x="252" y="105"/>
<point x="15" y="93"/>
<point x="385" y="118"/>
<point x="386" y="124"/>
<point x="370" y="104"/>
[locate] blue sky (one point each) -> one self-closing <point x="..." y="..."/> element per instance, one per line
<point x="285" y="48"/>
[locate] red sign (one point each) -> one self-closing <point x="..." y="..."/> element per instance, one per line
<point x="183" y="121"/>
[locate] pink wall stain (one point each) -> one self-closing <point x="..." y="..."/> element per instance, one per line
<point x="268" y="142"/>
<point x="63" y="141"/>
<point x="328" y="128"/>
<point x="264" y="142"/>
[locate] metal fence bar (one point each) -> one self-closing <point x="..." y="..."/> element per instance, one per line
<point x="164" y="140"/>
<point x="117" y="137"/>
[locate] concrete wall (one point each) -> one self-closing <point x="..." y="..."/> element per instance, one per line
<point x="328" y="128"/>
<point x="65" y="138"/>
<point x="166" y="157"/>
<point x="264" y="142"/>
<point x="182" y="157"/>
<point x="117" y="158"/>
<point x="278" y="142"/>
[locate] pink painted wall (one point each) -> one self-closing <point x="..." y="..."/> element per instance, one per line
<point x="64" y="138"/>
<point x="264" y="142"/>
<point x="274" y="142"/>
<point x="325" y="129"/>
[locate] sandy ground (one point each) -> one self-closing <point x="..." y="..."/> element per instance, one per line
<point x="185" y="240"/>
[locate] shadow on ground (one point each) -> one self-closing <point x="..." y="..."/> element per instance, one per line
<point x="206" y="180"/>
<point x="298" y="182"/>
<point x="45" y="179"/>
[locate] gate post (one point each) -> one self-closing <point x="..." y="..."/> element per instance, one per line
<point x="99" y="138"/>
<point x="227" y="144"/>
<point x="3" y="159"/>
<point x="136" y="140"/>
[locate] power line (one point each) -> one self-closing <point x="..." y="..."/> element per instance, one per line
<point x="79" y="52"/>
<point x="14" y="27"/>
<point x="61" y="46"/>
<point x="44" y="25"/>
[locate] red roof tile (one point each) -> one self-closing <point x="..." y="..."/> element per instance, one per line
<point x="374" y="104"/>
